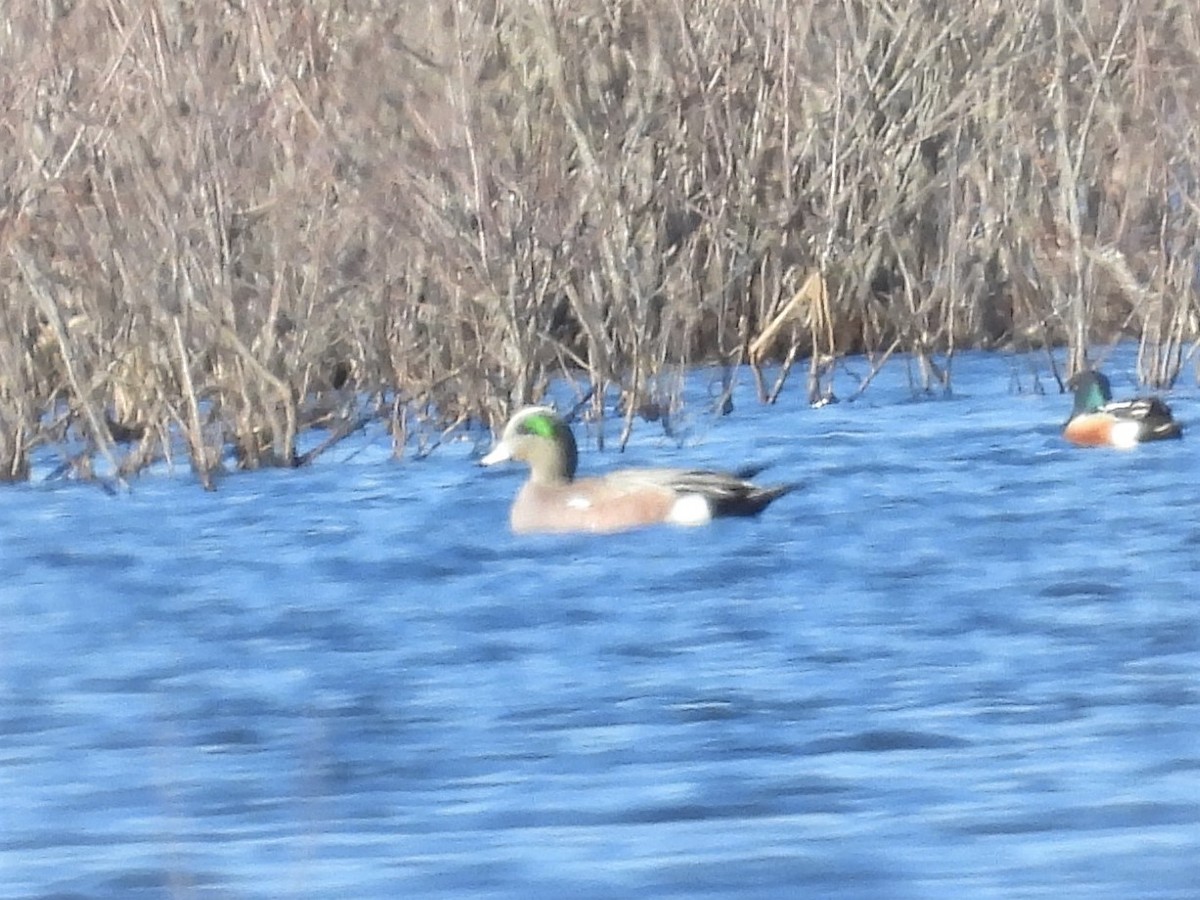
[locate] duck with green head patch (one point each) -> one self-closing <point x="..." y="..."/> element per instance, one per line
<point x="1099" y="421"/>
<point x="554" y="500"/>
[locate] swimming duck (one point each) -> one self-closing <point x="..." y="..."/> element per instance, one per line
<point x="1099" y="421"/>
<point x="554" y="500"/>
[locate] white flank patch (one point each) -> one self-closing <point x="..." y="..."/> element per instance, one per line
<point x="690" y="509"/>
<point x="579" y="503"/>
<point x="1125" y="434"/>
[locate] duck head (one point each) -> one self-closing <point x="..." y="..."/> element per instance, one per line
<point x="539" y="437"/>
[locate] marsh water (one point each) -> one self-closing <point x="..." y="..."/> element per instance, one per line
<point x="962" y="661"/>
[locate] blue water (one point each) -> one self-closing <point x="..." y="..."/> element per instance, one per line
<point x="963" y="661"/>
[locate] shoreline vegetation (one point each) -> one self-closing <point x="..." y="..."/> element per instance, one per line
<point x="224" y="224"/>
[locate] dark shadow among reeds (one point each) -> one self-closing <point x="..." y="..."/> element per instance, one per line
<point x="224" y="224"/>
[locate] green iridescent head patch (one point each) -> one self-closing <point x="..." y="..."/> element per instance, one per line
<point x="1092" y="391"/>
<point x="540" y="425"/>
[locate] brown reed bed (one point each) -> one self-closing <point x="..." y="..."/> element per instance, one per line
<point x="224" y="224"/>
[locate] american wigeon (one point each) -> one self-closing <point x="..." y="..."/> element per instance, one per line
<point x="1099" y="421"/>
<point x="554" y="500"/>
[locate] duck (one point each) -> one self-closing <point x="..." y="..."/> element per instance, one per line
<point x="553" y="500"/>
<point x="1099" y="421"/>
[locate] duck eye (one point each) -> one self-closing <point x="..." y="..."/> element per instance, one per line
<point x="539" y="425"/>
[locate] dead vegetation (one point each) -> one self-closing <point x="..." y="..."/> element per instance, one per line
<point x="224" y="224"/>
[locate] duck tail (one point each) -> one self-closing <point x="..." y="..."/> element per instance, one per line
<point x="758" y="498"/>
<point x="1159" y="422"/>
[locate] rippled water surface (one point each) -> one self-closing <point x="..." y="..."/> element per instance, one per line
<point x="963" y="661"/>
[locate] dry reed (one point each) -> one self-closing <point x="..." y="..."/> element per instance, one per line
<point x="224" y="224"/>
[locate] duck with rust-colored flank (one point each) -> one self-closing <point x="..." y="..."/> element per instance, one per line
<point x="1099" y="421"/>
<point x="554" y="500"/>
